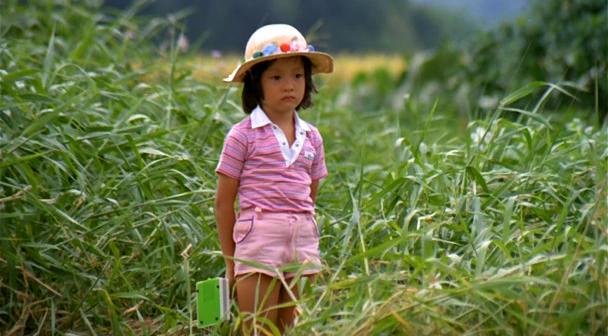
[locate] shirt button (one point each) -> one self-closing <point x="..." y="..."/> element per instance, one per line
<point x="284" y="144"/>
<point x="301" y="133"/>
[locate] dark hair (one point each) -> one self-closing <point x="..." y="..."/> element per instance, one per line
<point x="253" y="95"/>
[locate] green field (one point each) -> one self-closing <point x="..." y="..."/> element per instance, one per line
<point x="437" y="217"/>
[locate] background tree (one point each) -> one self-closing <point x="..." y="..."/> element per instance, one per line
<point x="339" y="25"/>
<point x="556" y="41"/>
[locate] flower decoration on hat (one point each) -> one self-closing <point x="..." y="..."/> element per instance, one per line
<point x="270" y="49"/>
<point x="294" y="45"/>
<point x="274" y="48"/>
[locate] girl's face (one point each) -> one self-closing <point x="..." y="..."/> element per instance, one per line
<point x="283" y="85"/>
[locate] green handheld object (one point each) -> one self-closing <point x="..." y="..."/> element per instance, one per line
<point x="212" y="302"/>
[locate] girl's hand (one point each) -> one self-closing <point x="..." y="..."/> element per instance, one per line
<point x="230" y="275"/>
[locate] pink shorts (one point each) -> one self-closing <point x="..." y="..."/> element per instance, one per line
<point x="276" y="243"/>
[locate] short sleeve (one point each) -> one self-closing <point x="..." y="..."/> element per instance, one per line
<point x="233" y="154"/>
<point x="319" y="170"/>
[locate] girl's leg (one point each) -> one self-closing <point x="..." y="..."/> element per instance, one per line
<point x="287" y="315"/>
<point x="256" y="293"/>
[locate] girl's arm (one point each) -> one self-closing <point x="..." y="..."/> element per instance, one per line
<point x="225" y="217"/>
<point x="314" y="187"/>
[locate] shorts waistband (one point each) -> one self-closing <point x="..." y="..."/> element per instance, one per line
<point x="260" y="212"/>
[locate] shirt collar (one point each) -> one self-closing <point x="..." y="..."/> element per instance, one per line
<point x="259" y="119"/>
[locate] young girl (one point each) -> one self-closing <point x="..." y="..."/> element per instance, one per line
<point x="274" y="161"/>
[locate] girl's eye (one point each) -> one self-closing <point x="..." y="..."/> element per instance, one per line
<point x="299" y="75"/>
<point x="276" y="77"/>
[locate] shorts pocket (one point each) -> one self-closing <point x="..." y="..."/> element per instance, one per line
<point x="242" y="228"/>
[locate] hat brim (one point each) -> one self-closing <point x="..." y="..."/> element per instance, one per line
<point x="321" y="63"/>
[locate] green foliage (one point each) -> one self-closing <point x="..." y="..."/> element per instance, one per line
<point x="105" y="175"/>
<point x="431" y="223"/>
<point x="557" y="41"/>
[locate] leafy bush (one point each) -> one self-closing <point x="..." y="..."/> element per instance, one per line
<point x="562" y="42"/>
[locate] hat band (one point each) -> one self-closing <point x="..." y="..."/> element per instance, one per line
<point x="283" y="48"/>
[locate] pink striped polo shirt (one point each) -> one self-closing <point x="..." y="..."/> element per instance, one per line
<point x="253" y="155"/>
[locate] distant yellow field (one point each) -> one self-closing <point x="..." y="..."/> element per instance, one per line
<point x="207" y="68"/>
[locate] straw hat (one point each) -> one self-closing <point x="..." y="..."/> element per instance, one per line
<point x="278" y="41"/>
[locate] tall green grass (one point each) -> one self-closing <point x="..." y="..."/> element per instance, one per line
<point x="430" y="224"/>
<point x="501" y="231"/>
<point x="106" y="176"/>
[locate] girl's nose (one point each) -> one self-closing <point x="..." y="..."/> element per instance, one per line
<point x="290" y="85"/>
